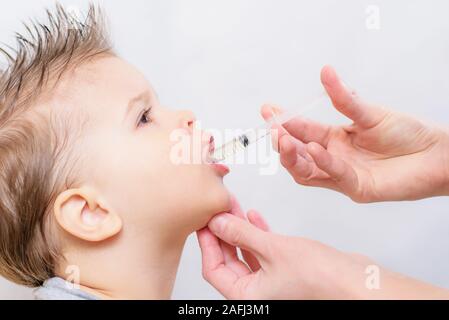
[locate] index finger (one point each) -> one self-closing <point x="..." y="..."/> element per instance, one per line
<point x="236" y="209"/>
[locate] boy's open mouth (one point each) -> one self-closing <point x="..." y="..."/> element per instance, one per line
<point x="211" y="145"/>
<point x="220" y="168"/>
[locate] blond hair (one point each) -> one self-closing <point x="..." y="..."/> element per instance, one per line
<point x="29" y="146"/>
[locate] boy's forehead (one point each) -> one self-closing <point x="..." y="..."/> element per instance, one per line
<point x="104" y="82"/>
<point x="111" y="75"/>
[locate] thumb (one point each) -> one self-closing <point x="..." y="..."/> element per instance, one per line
<point x="347" y="102"/>
<point x="241" y="233"/>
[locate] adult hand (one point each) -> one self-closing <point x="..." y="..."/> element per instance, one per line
<point x="281" y="267"/>
<point x="383" y="155"/>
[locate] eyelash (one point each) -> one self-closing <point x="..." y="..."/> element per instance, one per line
<point x="144" y="117"/>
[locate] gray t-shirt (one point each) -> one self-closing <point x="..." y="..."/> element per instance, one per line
<point x="60" y="289"/>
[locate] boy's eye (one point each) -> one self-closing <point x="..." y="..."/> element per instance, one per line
<point x="145" y="118"/>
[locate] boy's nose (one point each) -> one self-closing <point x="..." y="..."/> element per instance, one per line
<point x="187" y="119"/>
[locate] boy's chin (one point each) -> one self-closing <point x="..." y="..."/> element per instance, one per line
<point x="216" y="203"/>
<point x="222" y="203"/>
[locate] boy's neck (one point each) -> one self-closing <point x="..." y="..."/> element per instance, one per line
<point x="145" y="270"/>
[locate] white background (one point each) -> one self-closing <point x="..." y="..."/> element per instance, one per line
<point x="223" y="59"/>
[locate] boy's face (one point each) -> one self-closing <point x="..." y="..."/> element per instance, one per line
<point x="129" y="154"/>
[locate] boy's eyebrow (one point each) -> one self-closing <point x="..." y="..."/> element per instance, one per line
<point x="142" y="98"/>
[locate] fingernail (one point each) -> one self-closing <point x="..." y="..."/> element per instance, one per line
<point x="217" y="224"/>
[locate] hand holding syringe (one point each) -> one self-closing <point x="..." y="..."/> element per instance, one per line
<point x="253" y="135"/>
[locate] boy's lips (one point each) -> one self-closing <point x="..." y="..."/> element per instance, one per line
<point x="220" y="168"/>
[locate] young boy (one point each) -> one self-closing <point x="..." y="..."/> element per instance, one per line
<point x="90" y="191"/>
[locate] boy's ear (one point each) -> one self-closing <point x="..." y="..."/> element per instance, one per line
<point x="81" y="213"/>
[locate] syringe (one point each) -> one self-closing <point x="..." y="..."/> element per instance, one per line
<point x="249" y="137"/>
